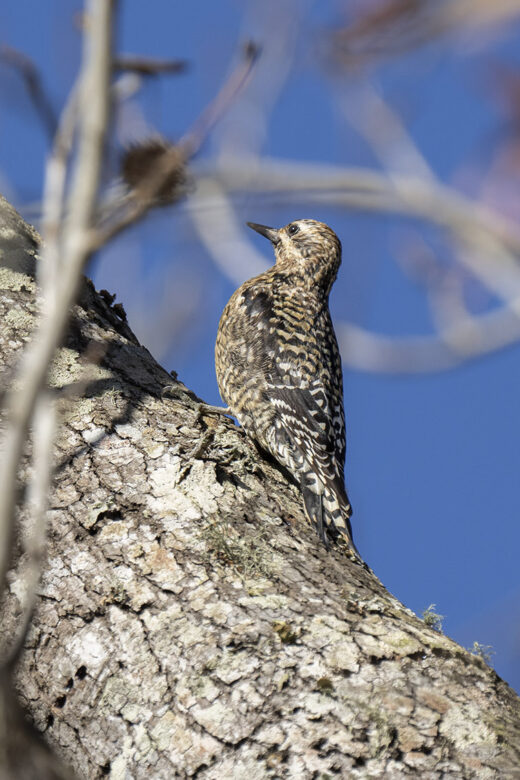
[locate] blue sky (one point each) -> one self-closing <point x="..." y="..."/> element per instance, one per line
<point x="432" y="460"/>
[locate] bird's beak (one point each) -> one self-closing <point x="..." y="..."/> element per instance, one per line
<point x="271" y="233"/>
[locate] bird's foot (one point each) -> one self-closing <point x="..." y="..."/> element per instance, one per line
<point x="202" y="409"/>
<point x="180" y="392"/>
<point x="210" y="409"/>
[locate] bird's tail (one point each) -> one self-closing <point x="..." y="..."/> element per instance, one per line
<point x="330" y="512"/>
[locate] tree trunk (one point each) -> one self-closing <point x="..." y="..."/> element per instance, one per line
<point x="189" y="621"/>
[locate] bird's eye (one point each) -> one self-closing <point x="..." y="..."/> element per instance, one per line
<point x="293" y="229"/>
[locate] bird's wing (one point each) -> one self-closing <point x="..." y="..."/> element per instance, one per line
<point x="303" y="438"/>
<point x="303" y="422"/>
<point x="306" y="401"/>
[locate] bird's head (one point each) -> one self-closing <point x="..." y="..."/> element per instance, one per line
<point x="305" y="248"/>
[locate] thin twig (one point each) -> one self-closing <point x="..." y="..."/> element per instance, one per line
<point x="44" y="428"/>
<point x="148" y="66"/>
<point x="174" y="158"/>
<point x="29" y="72"/>
<point x="195" y="137"/>
<point x="47" y="272"/>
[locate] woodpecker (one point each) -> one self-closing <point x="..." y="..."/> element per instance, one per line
<point x="279" y="369"/>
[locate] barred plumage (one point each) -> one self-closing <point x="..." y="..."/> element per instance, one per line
<point x="279" y="369"/>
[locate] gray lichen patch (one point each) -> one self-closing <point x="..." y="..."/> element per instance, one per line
<point x="170" y="733"/>
<point x="20" y="319"/>
<point x="458" y="723"/>
<point x="15" y="281"/>
<point x="235" y="666"/>
<point x="65" y="368"/>
<point x="223" y="720"/>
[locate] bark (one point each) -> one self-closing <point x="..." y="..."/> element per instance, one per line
<point x="190" y="623"/>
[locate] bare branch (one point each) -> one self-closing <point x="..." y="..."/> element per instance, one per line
<point x="366" y="190"/>
<point x="481" y="255"/>
<point x="171" y="163"/>
<point x="148" y="66"/>
<point x="371" y="116"/>
<point x="195" y="137"/>
<point x="53" y="200"/>
<point x="29" y="72"/>
<point x="222" y="234"/>
<point x="397" y="26"/>
<point x="93" y="112"/>
<point x="44" y="427"/>
<point x="467" y="338"/>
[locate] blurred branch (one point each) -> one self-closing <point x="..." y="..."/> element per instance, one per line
<point x="246" y="126"/>
<point x="396" y="149"/>
<point x="170" y="163"/>
<point x="377" y="122"/>
<point x="33" y="83"/>
<point x="366" y="190"/>
<point x="148" y="66"/>
<point x="54" y="196"/>
<point x="482" y="234"/>
<point x="69" y="248"/>
<point x="364" y="350"/>
<point x="396" y="26"/>
<point x="443" y="284"/>
<point x="482" y="256"/>
<point x="222" y="234"/>
<point x="193" y="140"/>
<point x="44" y="428"/>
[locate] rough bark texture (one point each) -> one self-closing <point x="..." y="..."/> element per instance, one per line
<point x="190" y="624"/>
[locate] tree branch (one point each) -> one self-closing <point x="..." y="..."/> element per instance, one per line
<point x="73" y="243"/>
<point x="367" y="190"/>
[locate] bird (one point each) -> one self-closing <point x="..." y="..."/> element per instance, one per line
<point x="279" y="370"/>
